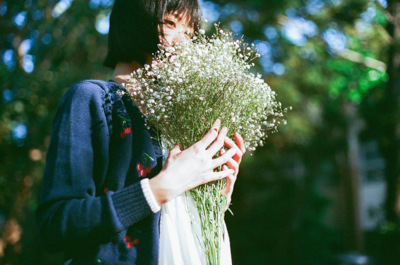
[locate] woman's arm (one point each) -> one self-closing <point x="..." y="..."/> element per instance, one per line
<point x="70" y="215"/>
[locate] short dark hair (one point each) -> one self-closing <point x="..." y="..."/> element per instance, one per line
<point x="134" y="27"/>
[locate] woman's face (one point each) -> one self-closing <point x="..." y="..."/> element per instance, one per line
<point x="176" y="29"/>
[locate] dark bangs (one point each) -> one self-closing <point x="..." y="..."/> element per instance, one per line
<point x="134" y="27"/>
<point x="189" y="8"/>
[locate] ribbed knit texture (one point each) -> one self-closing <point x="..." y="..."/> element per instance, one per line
<point x="130" y="204"/>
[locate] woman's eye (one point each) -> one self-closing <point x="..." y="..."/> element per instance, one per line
<point x="170" y="23"/>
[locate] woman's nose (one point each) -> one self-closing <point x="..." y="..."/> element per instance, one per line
<point x="181" y="36"/>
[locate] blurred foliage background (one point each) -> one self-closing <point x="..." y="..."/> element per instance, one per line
<point x="323" y="190"/>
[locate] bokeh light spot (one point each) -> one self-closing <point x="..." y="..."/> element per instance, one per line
<point x="38" y="14"/>
<point x="383" y="3"/>
<point x="314" y="6"/>
<point x="28" y="63"/>
<point x="103" y="24"/>
<point x="46" y="38"/>
<point x="335" y="39"/>
<point x="7" y="95"/>
<point x="278" y="69"/>
<point x="210" y="10"/>
<point x="25" y="46"/>
<point x="19" y="131"/>
<point x="271" y="33"/>
<point x="61" y="7"/>
<point x="297" y="29"/>
<point x="20" y="19"/>
<point x="106" y="3"/>
<point x="373" y="75"/>
<point x="266" y="63"/>
<point x="368" y="15"/>
<point x="263" y="47"/>
<point x="3" y="8"/>
<point x="9" y="58"/>
<point x="253" y="15"/>
<point x="236" y="27"/>
<point x="94" y="3"/>
<point x="336" y="2"/>
<point x="35" y="154"/>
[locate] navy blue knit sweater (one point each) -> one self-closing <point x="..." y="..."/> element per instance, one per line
<point x="92" y="206"/>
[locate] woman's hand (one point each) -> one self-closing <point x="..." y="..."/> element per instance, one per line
<point x="187" y="169"/>
<point x="234" y="162"/>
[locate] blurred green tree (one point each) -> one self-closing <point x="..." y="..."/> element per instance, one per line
<point x="45" y="47"/>
<point x="328" y="59"/>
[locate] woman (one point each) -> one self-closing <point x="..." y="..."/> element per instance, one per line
<point x="105" y="179"/>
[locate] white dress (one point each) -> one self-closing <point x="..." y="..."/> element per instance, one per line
<point x="178" y="236"/>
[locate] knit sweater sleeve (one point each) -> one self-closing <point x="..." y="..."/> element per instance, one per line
<point x="71" y="212"/>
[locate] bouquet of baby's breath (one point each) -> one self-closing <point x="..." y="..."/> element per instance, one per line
<point x="186" y="88"/>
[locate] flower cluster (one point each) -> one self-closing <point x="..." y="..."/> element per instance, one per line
<point x="187" y="87"/>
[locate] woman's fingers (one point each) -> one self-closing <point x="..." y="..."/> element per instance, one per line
<point x="226" y="172"/>
<point x="240" y="142"/>
<point x="219" y="143"/>
<point x="175" y="150"/>
<point x="210" y="136"/>
<point x="231" y="144"/>
<point x="232" y="163"/>
<point x="217" y="124"/>
<point x="224" y="158"/>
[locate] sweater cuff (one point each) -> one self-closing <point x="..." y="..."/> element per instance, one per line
<point x="131" y="205"/>
<point x="148" y="194"/>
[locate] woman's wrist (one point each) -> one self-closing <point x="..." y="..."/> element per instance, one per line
<point x="161" y="194"/>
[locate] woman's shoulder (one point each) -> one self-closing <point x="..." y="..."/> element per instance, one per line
<point x="89" y="98"/>
<point x="91" y="93"/>
<point x="89" y="89"/>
